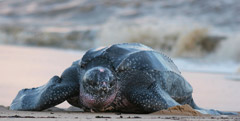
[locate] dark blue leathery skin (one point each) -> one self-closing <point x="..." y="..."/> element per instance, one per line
<point x="54" y="92"/>
<point x="147" y="60"/>
<point x="145" y="91"/>
<point x="114" y="54"/>
<point x="175" y="85"/>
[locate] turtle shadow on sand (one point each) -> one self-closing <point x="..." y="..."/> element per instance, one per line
<point x="128" y="78"/>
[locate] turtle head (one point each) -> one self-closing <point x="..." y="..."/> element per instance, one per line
<point x="99" y="80"/>
<point x="99" y="87"/>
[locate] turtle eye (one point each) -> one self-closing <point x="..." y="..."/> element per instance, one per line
<point x="92" y="82"/>
<point x="111" y="84"/>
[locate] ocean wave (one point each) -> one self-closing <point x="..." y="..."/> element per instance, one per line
<point x="178" y="40"/>
<point x="180" y="29"/>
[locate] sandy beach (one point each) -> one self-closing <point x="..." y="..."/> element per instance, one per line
<point x="7" y="115"/>
<point x="26" y="67"/>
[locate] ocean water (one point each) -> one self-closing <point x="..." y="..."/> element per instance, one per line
<point x="224" y="67"/>
<point x="192" y="32"/>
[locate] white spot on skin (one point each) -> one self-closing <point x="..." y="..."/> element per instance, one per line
<point x="101" y="70"/>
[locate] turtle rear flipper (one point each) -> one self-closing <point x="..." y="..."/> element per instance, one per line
<point x="215" y="112"/>
<point x="191" y="102"/>
<point x="210" y="111"/>
<point x="54" y="92"/>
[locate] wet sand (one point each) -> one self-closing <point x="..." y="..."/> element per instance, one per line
<point x="26" y="67"/>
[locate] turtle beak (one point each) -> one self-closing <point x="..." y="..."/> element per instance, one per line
<point x="104" y="87"/>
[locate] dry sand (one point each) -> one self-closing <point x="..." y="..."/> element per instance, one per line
<point x="25" y="67"/>
<point x="186" y="110"/>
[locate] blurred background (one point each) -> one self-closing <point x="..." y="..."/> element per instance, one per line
<point x="200" y="35"/>
<point x="208" y="30"/>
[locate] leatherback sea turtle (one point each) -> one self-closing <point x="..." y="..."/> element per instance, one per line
<point x="130" y="78"/>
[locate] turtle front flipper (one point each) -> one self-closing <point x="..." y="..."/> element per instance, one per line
<point x="150" y="98"/>
<point x="54" y="92"/>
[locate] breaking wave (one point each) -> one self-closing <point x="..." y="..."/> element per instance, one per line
<point x="177" y="40"/>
